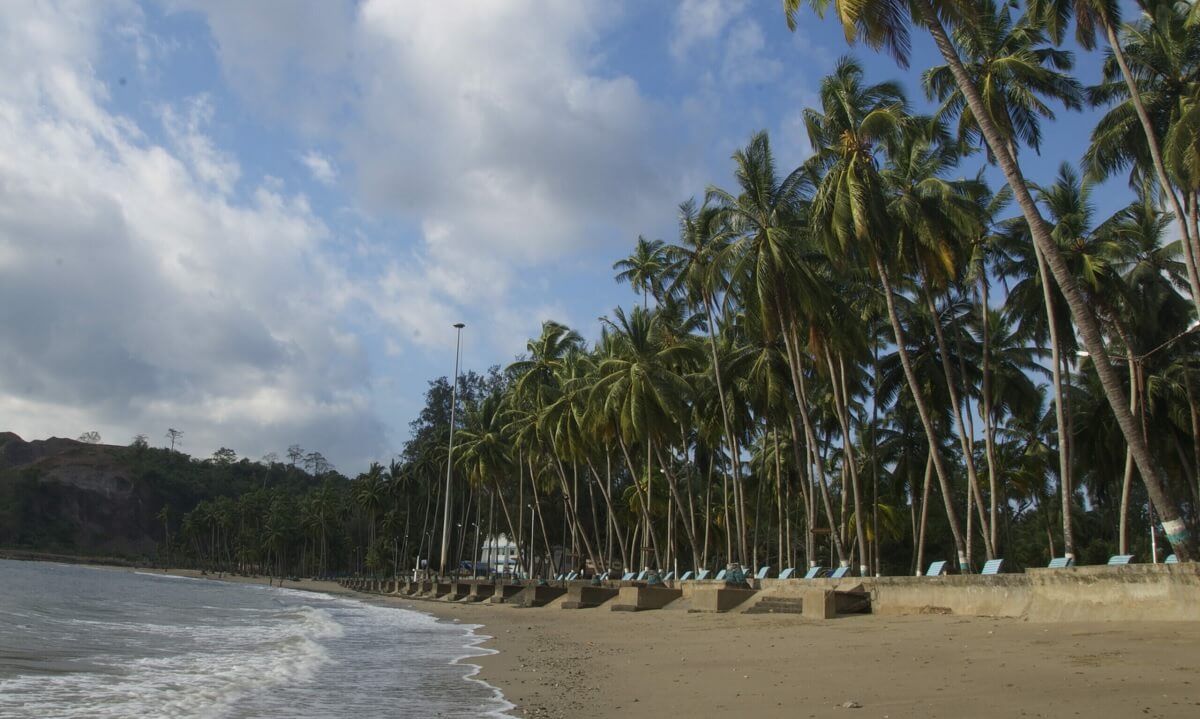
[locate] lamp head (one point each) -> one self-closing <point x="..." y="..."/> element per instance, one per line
<point x="459" y="325"/>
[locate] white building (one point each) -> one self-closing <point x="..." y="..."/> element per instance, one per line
<point x="501" y="555"/>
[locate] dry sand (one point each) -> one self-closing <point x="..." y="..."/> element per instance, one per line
<point x="667" y="663"/>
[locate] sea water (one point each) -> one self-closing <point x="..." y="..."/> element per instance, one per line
<point x="90" y="642"/>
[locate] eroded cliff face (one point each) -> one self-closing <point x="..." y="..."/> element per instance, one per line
<point x="67" y="495"/>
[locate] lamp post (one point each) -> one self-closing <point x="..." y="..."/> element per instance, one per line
<point x="450" y="453"/>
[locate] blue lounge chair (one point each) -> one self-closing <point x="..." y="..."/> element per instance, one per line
<point x="628" y="577"/>
<point x="787" y="573"/>
<point x="686" y="576"/>
<point x="763" y="572"/>
<point x="668" y="576"/>
<point x="1118" y="560"/>
<point x="1061" y="563"/>
<point x="1172" y="559"/>
<point x="840" y="573"/>
<point x="814" y="573"/>
<point x="603" y="577"/>
<point x="704" y="574"/>
<point x="992" y="566"/>
<point x="720" y="576"/>
<point x="936" y="569"/>
<point x="641" y="577"/>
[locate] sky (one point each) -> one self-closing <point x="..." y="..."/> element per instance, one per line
<point x="257" y="222"/>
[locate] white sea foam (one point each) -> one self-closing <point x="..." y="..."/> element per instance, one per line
<point x="215" y="668"/>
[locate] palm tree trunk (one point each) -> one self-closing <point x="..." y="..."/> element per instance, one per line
<point x="810" y="436"/>
<point x="926" y="419"/>
<point x="728" y="427"/>
<point x="805" y="489"/>
<point x="841" y="401"/>
<point x="1178" y="533"/>
<point x="688" y="518"/>
<point x="989" y="430"/>
<point x="612" y="515"/>
<point x="1060" y="416"/>
<point x="964" y="432"/>
<point x="644" y="502"/>
<point x="924" y="515"/>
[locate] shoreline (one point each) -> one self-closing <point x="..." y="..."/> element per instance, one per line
<point x="551" y="662"/>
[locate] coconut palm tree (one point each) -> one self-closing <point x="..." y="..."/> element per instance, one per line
<point x="886" y="25"/>
<point x="644" y="269"/>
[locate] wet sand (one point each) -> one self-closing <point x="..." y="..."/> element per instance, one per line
<point x="599" y="663"/>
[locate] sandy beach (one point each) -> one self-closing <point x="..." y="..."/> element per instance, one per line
<point x="553" y="662"/>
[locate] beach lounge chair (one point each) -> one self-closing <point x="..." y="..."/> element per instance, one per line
<point x="720" y="576"/>
<point x="763" y="572"/>
<point x="1061" y="563"/>
<point x="628" y="576"/>
<point x="668" y="576"/>
<point x="686" y="576"/>
<point x="1172" y="559"/>
<point x="840" y="573"/>
<point x="937" y="569"/>
<point x="603" y="577"/>
<point x="814" y="573"/>
<point x="704" y="574"/>
<point x="1118" y="560"/>
<point x="572" y="576"/>
<point x="641" y="577"/>
<point x="992" y="566"/>
<point x="787" y="573"/>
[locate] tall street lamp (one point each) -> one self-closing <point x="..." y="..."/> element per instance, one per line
<point x="450" y="453"/>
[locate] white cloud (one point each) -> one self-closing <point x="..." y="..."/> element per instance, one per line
<point x="699" y="21"/>
<point x="320" y="166"/>
<point x="485" y="125"/>
<point x="136" y="291"/>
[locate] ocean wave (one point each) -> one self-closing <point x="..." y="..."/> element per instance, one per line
<point x="215" y="669"/>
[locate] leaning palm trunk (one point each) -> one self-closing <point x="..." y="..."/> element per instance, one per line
<point x="963" y="435"/>
<point x="924" y="515"/>
<point x="1178" y="533"/>
<point x="805" y="490"/>
<point x="689" y="519"/>
<point x="1190" y="240"/>
<point x="810" y="435"/>
<point x="989" y="427"/>
<point x="570" y="506"/>
<point x="729" y="436"/>
<point x="1060" y="416"/>
<point x="612" y="515"/>
<point x="926" y="418"/>
<point x="843" y="419"/>
<point x="644" y="505"/>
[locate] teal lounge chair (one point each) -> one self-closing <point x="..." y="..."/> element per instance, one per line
<point x="641" y="577"/>
<point x="720" y="576"/>
<point x="686" y="576"/>
<point x="704" y="574"/>
<point x="762" y="573"/>
<point x="937" y="569"/>
<point x="992" y="566"/>
<point x="668" y="576"/>
<point x="787" y="573"/>
<point x="628" y="577"/>
<point x="1172" y="559"/>
<point x="1061" y="563"/>
<point x="840" y="573"/>
<point x="603" y="577"/>
<point x="814" y="573"/>
<point x="1119" y="560"/>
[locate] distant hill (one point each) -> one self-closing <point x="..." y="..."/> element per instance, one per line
<point x="62" y="495"/>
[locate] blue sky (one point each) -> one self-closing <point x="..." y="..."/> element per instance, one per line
<point x="257" y="222"/>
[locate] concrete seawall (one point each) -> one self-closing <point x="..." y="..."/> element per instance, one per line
<point x="1156" y="592"/>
